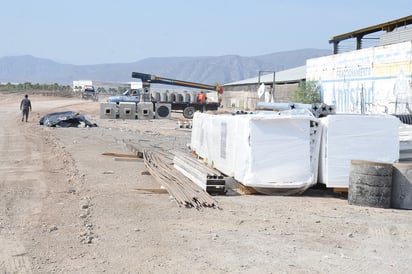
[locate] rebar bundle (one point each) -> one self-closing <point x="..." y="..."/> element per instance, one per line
<point x="184" y="191"/>
<point x="209" y="179"/>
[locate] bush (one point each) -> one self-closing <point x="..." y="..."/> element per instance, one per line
<point x="307" y="93"/>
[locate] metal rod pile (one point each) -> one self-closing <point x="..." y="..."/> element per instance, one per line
<point x="184" y="191"/>
<point x="135" y="150"/>
<point x="317" y="109"/>
<point x="207" y="178"/>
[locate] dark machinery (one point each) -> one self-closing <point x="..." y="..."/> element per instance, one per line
<point x="188" y="108"/>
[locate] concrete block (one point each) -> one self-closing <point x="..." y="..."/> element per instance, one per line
<point x="108" y="110"/>
<point x="145" y="111"/>
<point x="127" y="110"/>
<point x="162" y="110"/>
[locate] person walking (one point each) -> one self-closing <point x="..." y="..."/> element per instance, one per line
<point x="25" y="107"/>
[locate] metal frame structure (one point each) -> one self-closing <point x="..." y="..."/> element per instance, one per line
<point x="359" y="34"/>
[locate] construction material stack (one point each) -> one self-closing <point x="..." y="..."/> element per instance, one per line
<point x="266" y="151"/>
<point x="209" y="179"/>
<point x="355" y="137"/>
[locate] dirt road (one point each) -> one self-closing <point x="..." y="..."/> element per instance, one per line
<point x="66" y="208"/>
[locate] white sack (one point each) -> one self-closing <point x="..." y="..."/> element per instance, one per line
<point x="261" y="91"/>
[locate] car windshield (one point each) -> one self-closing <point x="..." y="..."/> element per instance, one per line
<point x="89" y="89"/>
<point x="131" y="92"/>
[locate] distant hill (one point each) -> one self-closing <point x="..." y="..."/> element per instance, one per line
<point x="208" y="70"/>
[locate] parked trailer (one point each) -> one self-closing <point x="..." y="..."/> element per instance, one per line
<point x="188" y="108"/>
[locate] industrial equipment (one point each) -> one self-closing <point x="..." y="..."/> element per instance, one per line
<point x="187" y="107"/>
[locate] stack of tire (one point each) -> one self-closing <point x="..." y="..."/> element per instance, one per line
<point x="382" y="185"/>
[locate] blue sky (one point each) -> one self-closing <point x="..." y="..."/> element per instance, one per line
<point x="121" y="31"/>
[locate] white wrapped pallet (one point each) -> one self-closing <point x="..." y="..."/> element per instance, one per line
<point x="355" y="137"/>
<point x="260" y="150"/>
<point x="196" y="141"/>
<point x="213" y="139"/>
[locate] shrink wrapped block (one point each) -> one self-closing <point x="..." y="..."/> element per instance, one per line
<point x="372" y="138"/>
<point x="260" y="150"/>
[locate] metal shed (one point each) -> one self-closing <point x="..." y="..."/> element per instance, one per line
<point x="243" y="94"/>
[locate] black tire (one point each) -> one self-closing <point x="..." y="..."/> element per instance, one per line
<point x="188" y="112"/>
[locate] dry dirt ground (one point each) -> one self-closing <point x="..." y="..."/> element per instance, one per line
<point x="66" y="208"/>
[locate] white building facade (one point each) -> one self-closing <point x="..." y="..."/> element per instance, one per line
<point x="371" y="80"/>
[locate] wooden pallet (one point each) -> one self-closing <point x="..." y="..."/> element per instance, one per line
<point x="136" y="150"/>
<point x="245" y="190"/>
<point x="340" y="190"/>
<point x="120" y="155"/>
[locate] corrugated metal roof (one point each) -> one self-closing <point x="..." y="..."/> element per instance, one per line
<point x="388" y="26"/>
<point x="289" y="75"/>
<point x="397" y="36"/>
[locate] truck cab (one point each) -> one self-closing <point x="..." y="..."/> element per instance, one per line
<point x="89" y="92"/>
<point x="130" y="95"/>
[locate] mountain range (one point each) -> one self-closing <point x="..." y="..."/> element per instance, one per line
<point x="208" y="70"/>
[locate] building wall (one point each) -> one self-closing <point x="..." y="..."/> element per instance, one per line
<point x="243" y="100"/>
<point x="284" y="93"/>
<point x="245" y="88"/>
<point x="371" y="80"/>
<point x="245" y="96"/>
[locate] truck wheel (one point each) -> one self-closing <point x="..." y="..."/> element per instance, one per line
<point x="188" y="112"/>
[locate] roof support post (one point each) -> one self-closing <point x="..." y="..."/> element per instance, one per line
<point x="273" y="89"/>
<point x="335" y="47"/>
<point x="359" y="42"/>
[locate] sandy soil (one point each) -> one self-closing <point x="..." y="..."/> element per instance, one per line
<point x="66" y="208"/>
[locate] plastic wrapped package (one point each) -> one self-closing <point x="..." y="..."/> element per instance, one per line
<point x="355" y="137"/>
<point x="260" y="150"/>
<point x="220" y="142"/>
<point x="212" y="139"/>
<point x="196" y="141"/>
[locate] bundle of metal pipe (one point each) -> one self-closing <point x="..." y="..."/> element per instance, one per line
<point x="317" y="109"/>
<point x="404" y="118"/>
<point x="322" y="110"/>
<point x="209" y="179"/>
<point x="184" y="191"/>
